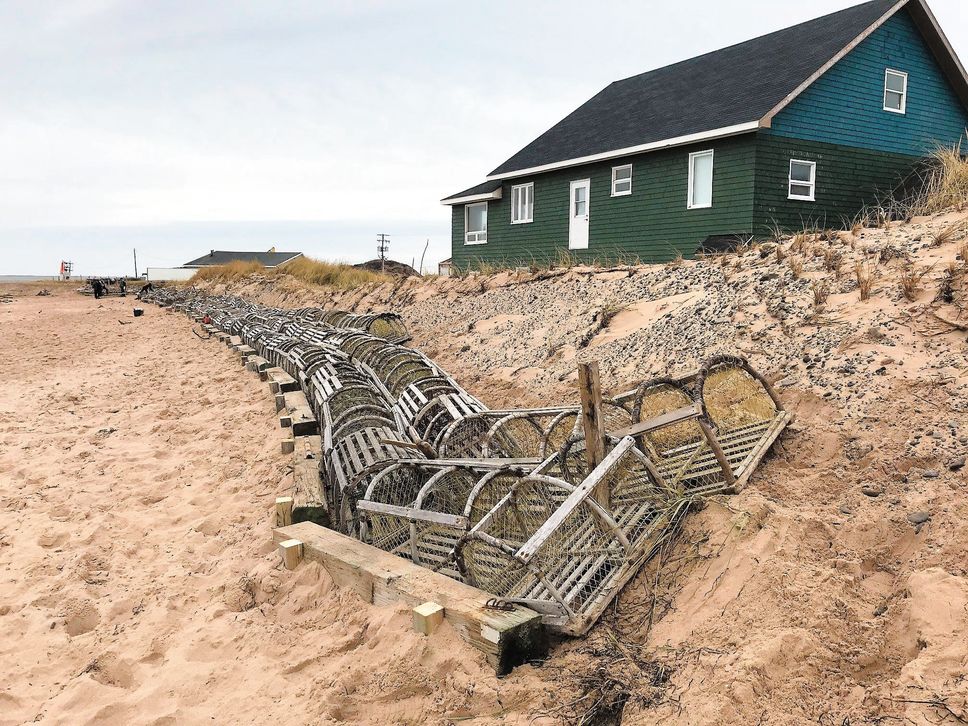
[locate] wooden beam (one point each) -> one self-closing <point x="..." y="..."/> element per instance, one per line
<point x="507" y="638"/>
<point x="280" y="381"/>
<point x="283" y="511"/>
<point x="309" y="503"/>
<point x="296" y="413"/>
<point x="292" y="552"/>
<point x="593" y="423"/>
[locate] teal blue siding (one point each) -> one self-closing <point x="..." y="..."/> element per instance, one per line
<point x="845" y="106"/>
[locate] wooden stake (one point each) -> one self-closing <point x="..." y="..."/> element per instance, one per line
<point x="292" y="553"/>
<point x="427" y="617"/>
<point x="283" y="511"/>
<point x="593" y="423"/>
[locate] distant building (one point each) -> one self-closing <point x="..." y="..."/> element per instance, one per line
<point x="445" y="268"/>
<point x="271" y="258"/>
<point x="222" y="257"/>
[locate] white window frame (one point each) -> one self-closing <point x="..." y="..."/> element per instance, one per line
<point x="711" y="153"/>
<point x="614" y="180"/>
<point x="480" y="238"/>
<point x="904" y="92"/>
<point x="516" y="191"/>
<point x="812" y="183"/>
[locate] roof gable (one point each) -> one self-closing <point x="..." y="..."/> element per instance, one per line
<point x="729" y="89"/>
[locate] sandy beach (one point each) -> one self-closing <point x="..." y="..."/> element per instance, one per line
<point x="138" y="467"/>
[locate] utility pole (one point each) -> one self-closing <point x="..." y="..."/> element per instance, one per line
<point x="135" y="264"/>
<point x="382" y="245"/>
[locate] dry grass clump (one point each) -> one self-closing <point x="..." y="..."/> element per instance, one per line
<point x="795" y="264"/>
<point x="946" y="184"/>
<point x="833" y="260"/>
<point x="947" y="234"/>
<point x="910" y="282"/>
<point x="229" y="272"/>
<point x="330" y="274"/>
<point x="866" y="272"/>
<point x="780" y="253"/>
<point x="305" y="269"/>
<point x="963" y="253"/>
<point x="820" y="293"/>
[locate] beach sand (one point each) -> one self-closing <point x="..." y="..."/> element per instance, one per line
<point x="138" y="468"/>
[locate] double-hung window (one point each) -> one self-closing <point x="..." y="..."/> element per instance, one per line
<point x="803" y="180"/>
<point x="522" y="204"/>
<point x="475" y="224"/>
<point x="621" y="180"/>
<point x="895" y="91"/>
<point x="701" y="180"/>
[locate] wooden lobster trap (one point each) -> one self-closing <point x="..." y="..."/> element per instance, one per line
<point x="565" y="551"/>
<point x="420" y="509"/>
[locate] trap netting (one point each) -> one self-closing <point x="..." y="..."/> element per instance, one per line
<point x="419" y="510"/>
<point x="566" y="550"/>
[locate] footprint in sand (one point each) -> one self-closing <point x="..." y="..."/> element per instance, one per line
<point x="80" y="616"/>
<point x="110" y="669"/>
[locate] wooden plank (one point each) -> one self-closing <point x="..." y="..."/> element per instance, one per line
<point x="756" y="456"/>
<point x="283" y="512"/>
<point x="409" y="513"/>
<point x="244" y="352"/>
<point x="280" y="381"/>
<point x="507" y="638"/>
<point x="309" y="501"/>
<point x="667" y="419"/>
<point x="297" y="414"/>
<point x="256" y="364"/>
<point x="593" y="422"/>
<point x="574" y="500"/>
<point x="234" y="341"/>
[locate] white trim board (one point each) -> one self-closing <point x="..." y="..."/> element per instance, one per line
<point x="496" y="194"/>
<point x="721" y="133"/>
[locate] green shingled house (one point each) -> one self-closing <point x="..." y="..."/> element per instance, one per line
<point x="804" y="126"/>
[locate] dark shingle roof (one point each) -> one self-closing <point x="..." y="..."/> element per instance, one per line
<point x="486" y="188"/>
<point x="736" y="85"/>
<point x="221" y="257"/>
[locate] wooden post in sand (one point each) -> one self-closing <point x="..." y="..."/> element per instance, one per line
<point x="292" y="553"/>
<point x="593" y="424"/>
<point x="283" y="511"/>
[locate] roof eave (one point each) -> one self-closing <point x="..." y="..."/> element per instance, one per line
<point x="720" y="133"/>
<point x="470" y="199"/>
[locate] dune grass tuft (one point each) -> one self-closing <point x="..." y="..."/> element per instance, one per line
<point x="304" y="269"/>
<point x="945" y="184"/>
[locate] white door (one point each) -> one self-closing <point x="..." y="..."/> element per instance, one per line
<point x="578" y="214"/>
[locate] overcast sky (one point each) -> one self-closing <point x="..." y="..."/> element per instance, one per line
<point x="185" y="125"/>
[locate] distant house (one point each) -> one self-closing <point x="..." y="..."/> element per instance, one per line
<point x="803" y="126"/>
<point x="445" y="268"/>
<point x="221" y="257"/>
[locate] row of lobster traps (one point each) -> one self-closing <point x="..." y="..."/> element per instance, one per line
<point x="506" y="500"/>
<point x="386" y="326"/>
<point x="545" y="530"/>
